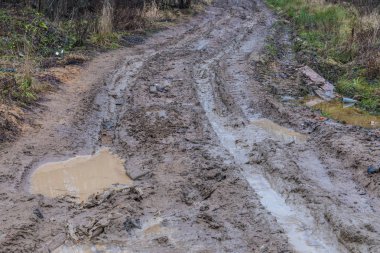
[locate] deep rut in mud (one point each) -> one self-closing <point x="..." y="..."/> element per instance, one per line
<point x="210" y="173"/>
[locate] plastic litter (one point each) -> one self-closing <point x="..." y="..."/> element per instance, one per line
<point x="349" y="101"/>
<point x="373" y="169"/>
<point x="7" y="70"/>
<point x="348" y="105"/>
<point x="287" y="98"/>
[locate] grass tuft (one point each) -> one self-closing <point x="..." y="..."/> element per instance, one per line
<point x="342" y="35"/>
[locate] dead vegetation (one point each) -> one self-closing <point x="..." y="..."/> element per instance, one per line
<point x="36" y="35"/>
<point x="342" y="41"/>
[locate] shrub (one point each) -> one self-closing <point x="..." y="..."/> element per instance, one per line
<point x="344" y="35"/>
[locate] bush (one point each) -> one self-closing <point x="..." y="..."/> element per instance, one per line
<point x="344" y="35"/>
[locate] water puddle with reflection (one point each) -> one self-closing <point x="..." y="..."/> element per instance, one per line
<point x="90" y="249"/>
<point x="278" y="131"/>
<point x="349" y="115"/>
<point x="80" y="176"/>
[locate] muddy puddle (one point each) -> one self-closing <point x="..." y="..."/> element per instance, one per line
<point x="347" y="115"/>
<point x="90" y="249"/>
<point x="278" y="131"/>
<point x="80" y="176"/>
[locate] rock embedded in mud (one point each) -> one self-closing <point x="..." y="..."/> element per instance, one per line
<point x="209" y="220"/>
<point x="162" y="240"/>
<point x="287" y="98"/>
<point x="158" y="88"/>
<point x="153" y="89"/>
<point x="38" y="213"/>
<point x="317" y="83"/>
<point x="131" y="223"/>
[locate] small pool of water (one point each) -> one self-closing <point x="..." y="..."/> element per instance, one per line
<point x="80" y="176"/>
<point x="278" y="131"/>
<point x="349" y="115"/>
<point x="91" y="249"/>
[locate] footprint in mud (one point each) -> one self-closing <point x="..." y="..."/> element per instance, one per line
<point x="80" y="176"/>
<point x="152" y="232"/>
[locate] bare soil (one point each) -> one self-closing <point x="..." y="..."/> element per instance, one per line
<point x="180" y="109"/>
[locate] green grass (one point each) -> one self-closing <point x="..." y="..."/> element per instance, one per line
<point x="327" y="30"/>
<point x="367" y="93"/>
<point x="26" y="25"/>
<point x="324" y="28"/>
<point x="17" y="88"/>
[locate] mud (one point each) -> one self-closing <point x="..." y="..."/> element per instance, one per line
<point x="219" y="163"/>
<point x="80" y="177"/>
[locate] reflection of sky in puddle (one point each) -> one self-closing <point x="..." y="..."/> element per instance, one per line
<point x="90" y="249"/>
<point x="278" y="131"/>
<point x="80" y="176"/>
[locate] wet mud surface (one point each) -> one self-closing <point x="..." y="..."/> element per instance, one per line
<point x="218" y="162"/>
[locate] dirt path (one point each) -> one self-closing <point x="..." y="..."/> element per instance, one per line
<point x="211" y="173"/>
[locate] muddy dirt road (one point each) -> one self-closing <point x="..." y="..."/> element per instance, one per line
<point x="191" y="114"/>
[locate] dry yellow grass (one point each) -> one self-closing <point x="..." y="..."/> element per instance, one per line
<point x="151" y="12"/>
<point x="105" y="21"/>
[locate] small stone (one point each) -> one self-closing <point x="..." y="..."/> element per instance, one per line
<point x="162" y="240"/>
<point x="287" y="98"/>
<point x="38" y="213"/>
<point x="131" y="223"/>
<point x="153" y="89"/>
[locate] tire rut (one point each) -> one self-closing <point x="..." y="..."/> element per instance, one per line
<point x="180" y="109"/>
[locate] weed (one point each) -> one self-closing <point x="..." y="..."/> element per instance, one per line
<point x="105" y="21"/>
<point x="366" y="93"/>
<point x="342" y="35"/>
<point x="151" y="12"/>
<point x="110" y="40"/>
<point x="325" y="114"/>
<point x="271" y="49"/>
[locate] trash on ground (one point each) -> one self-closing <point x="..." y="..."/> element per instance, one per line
<point x="287" y="98"/>
<point x="7" y="70"/>
<point x="349" y="101"/>
<point x="320" y="86"/>
<point x="373" y="169"/>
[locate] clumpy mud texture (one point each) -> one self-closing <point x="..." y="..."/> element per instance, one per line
<point x="218" y="162"/>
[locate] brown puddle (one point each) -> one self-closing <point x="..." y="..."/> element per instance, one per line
<point x="80" y="176"/>
<point x="279" y="131"/>
<point x="349" y="115"/>
<point x="155" y="229"/>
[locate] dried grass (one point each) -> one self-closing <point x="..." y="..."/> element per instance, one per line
<point x="151" y="12"/>
<point x="105" y="26"/>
